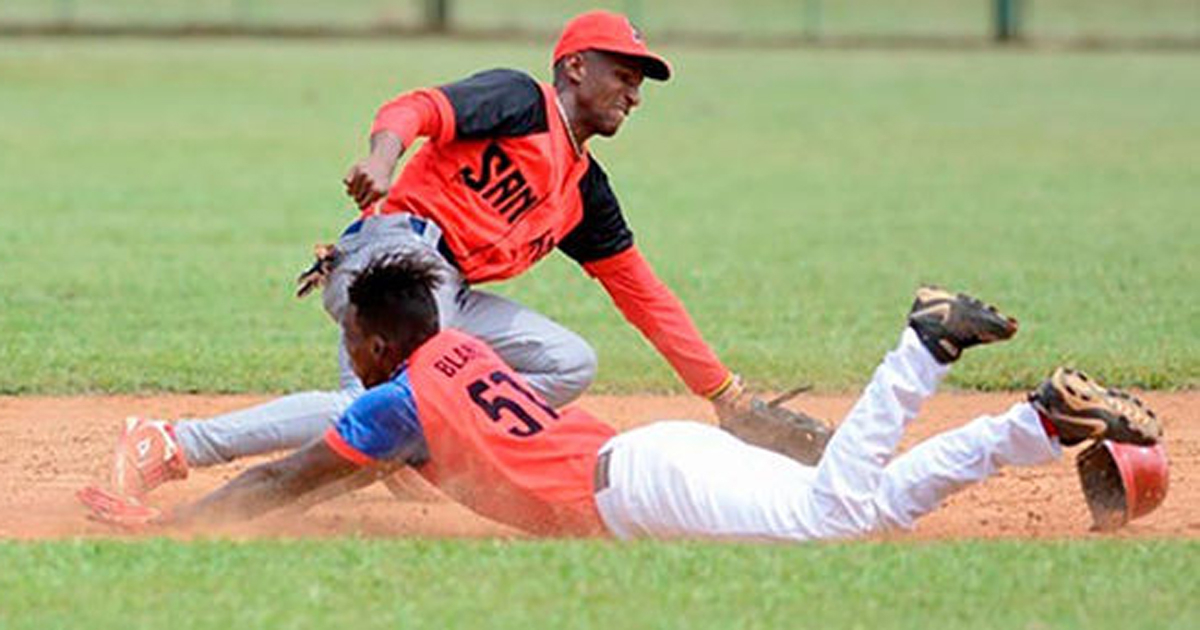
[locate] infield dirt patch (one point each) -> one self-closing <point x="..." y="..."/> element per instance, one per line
<point x="51" y="447"/>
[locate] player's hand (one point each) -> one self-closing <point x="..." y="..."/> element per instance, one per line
<point x="113" y="509"/>
<point x="367" y="181"/>
<point x="769" y="425"/>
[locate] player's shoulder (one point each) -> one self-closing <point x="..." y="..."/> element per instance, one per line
<point x="383" y="423"/>
<point x="504" y="76"/>
<point x="449" y="348"/>
<point x="394" y="396"/>
<point x="603" y="231"/>
<point x="595" y="175"/>
<point x="450" y="345"/>
<point x="498" y="102"/>
<point x="515" y="85"/>
<point x="595" y="189"/>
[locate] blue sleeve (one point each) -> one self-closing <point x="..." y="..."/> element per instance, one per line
<point x="383" y="425"/>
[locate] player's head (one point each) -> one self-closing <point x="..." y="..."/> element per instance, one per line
<point x="391" y="313"/>
<point x="602" y="60"/>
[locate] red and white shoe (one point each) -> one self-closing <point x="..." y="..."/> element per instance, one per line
<point x="147" y="456"/>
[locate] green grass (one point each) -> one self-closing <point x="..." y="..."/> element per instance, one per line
<point x="456" y="584"/>
<point x="158" y="197"/>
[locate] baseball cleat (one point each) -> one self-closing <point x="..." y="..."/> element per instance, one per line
<point x="948" y="323"/>
<point x="1080" y="409"/>
<point x="147" y="456"/>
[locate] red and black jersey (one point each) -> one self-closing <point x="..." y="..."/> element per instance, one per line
<point x="500" y="177"/>
<point x="504" y="183"/>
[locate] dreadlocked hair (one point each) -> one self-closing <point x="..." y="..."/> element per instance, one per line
<point x="394" y="298"/>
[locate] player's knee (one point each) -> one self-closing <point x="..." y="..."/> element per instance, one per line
<point x="890" y="518"/>
<point x="844" y="515"/>
<point x="574" y="367"/>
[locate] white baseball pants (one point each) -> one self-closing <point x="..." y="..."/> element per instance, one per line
<point x="679" y="479"/>
<point x="556" y="362"/>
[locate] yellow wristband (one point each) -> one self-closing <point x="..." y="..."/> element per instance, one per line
<point x="716" y="393"/>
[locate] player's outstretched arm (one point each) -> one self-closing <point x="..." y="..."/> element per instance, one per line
<point x="269" y="486"/>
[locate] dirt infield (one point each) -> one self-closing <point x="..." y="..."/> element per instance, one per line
<point x="50" y="447"/>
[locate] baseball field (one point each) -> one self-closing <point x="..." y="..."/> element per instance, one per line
<point x="158" y="197"/>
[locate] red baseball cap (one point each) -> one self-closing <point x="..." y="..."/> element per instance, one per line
<point x="610" y="32"/>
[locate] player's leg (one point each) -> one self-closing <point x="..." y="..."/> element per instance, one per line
<point x="940" y="326"/>
<point x="849" y="472"/>
<point x="681" y="479"/>
<point x="917" y="482"/>
<point x="152" y="452"/>
<point x="283" y="423"/>
<point x="556" y="362"/>
<point x="1067" y="408"/>
<point x="688" y="480"/>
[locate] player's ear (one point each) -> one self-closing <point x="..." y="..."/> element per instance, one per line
<point x="575" y="67"/>
<point x="386" y="353"/>
<point x="379" y="347"/>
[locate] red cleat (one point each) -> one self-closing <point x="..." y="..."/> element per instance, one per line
<point x="148" y="455"/>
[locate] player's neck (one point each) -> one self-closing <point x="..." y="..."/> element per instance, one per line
<point x="576" y="129"/>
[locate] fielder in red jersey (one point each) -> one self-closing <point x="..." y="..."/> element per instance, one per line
<point x="508" y="178"/>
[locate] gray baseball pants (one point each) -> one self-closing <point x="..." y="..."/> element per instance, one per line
<point x="558" y="363"/>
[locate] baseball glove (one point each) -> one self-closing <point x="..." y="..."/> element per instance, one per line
<point x="770" y="425"/>
<point x="316" y="275"/>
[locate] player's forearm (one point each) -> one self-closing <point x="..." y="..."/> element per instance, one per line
<point x="653" y="309"/>
<point x="368" y="180"/>
<point x="360" y="479"/>
<point x="386" y="149"/>
<point x="251" y="494"/>
<point x="272" y="485"/>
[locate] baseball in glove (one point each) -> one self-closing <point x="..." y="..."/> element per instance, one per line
<point x="770" y="425"/>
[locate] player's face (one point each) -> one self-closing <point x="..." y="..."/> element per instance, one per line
<point x="368" y="353"/>
<point x="609" y="90"/>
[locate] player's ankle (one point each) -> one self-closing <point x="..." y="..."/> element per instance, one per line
<point x="1048" y="425"/>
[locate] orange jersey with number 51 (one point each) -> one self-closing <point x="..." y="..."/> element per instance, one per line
<point x="497" y="447"/>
